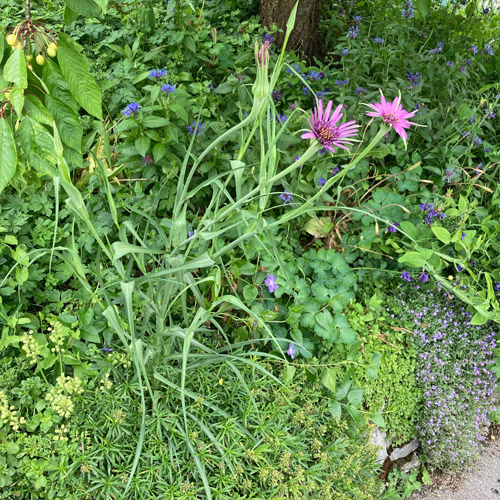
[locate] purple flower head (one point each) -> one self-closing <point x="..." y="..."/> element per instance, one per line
<point x="486" y="10"/>
<point x="286" y="197"/>
<point x="462" y="236"/>
<point x="459" y="268"/>
<point x="490" y="114"/>
<point x="393" y="114"/>
<point x="424" y="278"/>
<point x="450" y="64"/>
<point x="148" y="159"/>
<point x="295" y="66"/>
<point x="477" y="141"/>
<point x="360" y="90"/>
<point x="438" y="49"/>
<point x="356" y="19"/>
<point x="409" y="12"/>
<point x="157" y="73"/>
<point x="270" y="282"/>
<point x="267" y="38"/>
<point x="449" y="175"/>
<point x="473" y="49"/>
<point x="488" y="49"/>
<point x="378" y="40"/>
<point x="322" y="182"/>
<point x="316" y="76"/>
<point x="353" y="32"/>
<point x="486" y="150"/>
<point x="291" y="351"/>
<point x="276" y="95"/>
<point x="496" y="287"/>
<point x="130" y="109"/>
<point x="405" y="275"/>
<point x="305" y="90"/>
<point x="335" y="170"/>
<point x="392" y="227"/>
<point x="342" y="82"/>
<point x="326" y="130"/>
<point x="168" y="88"/>
<point x="345" y="52"/>
<point x="414" y="78"/>
<point x="211" y="87"/>
<point x="473" y="119"/>
<point x="106" y="349"/>
<point x="195" y="128"/>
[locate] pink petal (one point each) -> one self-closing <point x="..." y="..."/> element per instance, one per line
<point x="328" y="109"/>
<point x="308" y="135"/>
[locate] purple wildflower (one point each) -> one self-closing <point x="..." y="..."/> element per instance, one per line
<point x="157" y="73"/>
<point x="324" y="127"/>
<point x="195" y="128"/>
<point x="356" y="19"/>
<point x="473" y="49"/>
<point x="267" y="38"/>
<point x="378" y="40"/>
<point x="291" y="351"/>
<point x="322" y="182"/>
<point x="168" y="88"/>
<point x="477" y="141"/>
<point x="424" y="278"/>
<point x="270" y="282"/>
<point x="353" y="32"/>
<point x="392" y="227"/>
<point x="131" y="109"/>
<point x="450" y="64"/>
<point x="414" y="78"/>
<point x="148" y="159"/>
<point x="360" y="90"/>
<point x="345" y="52"/>
<point x="286" y="197"/>
<point x="405" y="275"/>
<point x="438" y="49"/>
<point x="488" y="49"/>
<point x="462" y="236"/>
<point x="276" y="95"/>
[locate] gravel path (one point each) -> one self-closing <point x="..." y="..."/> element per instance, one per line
<point x="481" y="483"/>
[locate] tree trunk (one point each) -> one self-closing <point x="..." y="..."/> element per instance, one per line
<point x="304" y="36"/>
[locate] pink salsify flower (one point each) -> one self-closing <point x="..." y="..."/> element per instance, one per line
<point x="393" y="115"/>
<point x="325" y="130"/>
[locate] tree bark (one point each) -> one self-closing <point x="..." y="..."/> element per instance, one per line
<point x="304" y="36"/>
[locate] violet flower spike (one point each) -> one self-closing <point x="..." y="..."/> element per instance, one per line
<point x="324" y="127"/>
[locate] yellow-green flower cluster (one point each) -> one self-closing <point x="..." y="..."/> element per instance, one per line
<point x="120" y="359"/>
<point x="8" y="414"/>
<point x="106" y="383"/>
<point x="31" y="347"/>
<point x="59" y="396"/>
<point x="57" y="337"/>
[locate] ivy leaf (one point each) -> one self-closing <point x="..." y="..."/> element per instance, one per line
<point x="8" y="154"/>
<point x="81" y="83"/>
<point x="15" y="69"/>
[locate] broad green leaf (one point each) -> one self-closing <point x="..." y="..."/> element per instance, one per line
<point x="330" y="379"/>
<point x="342" y="391"/>
<point x="57" y="85"/>
<point x="80" y="81"/>
<point x="335" y="409"/>
<point x="86" y="8"/>
<point x="423" y="6"/>
<point x="15" y="69"/>
<point x="413" y="259"/>
<point x="355" y="397"/>
<point x="17" y="99"/>
<point x="441" y="234"/>
<point x="37" y="111"/>
<point x="155" y="122"/>
<point x="478" y="319"/>
<point x="179" y="111"/>
<point x="38" y="147"/>
<point x="377" y="418"/>
<point x="67" y="122"/>
<point x="70" y="16"/>
<point x="288" y="374"/>
<point x="8" y="154"/>
<point x="142" y="145"/>
<point x="409" y="229"/>
<point x="250" y="293"/>
<point x="2" y="48"/>
<point x="159" y="151"/>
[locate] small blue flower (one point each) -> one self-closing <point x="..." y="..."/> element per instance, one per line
<point x="462" y="236"/>
<point x="450" y="64"/>
<point x="322" y="182"/>
<point x="168" y="88"/>
<point x="286" y="197"/>
<point x="360" y="90"/>
<point x="489" y="49"/>
<point x="295" y="66"/>
<point x="353" y="32"/>
<point x="345" y="52"/>
<point x="405" y="275"/>
<point x="268" y="38"/>
<point x="379" y="40"/>
<point x="414" y="78"/>
<point x="459" y="268"/>
<point x="291" y="351"/>
<point x="473" y="49"/>
<point x="438" y="49"/>
<point x="356" y="19"/>
<point x="157" y="73"/>
<point x="477" y="141"/>
<point x="392" y="227"/>
<point x="195" y="128"/>
<point x="131" y="109"/>
<point x="424" y="278"/>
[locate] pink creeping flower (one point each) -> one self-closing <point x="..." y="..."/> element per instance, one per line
<point x="393" y="114"/>
<point x="324" y="127"/>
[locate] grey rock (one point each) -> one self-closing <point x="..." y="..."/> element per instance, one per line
<point x="414" y="463"/>
<point x="377" y="438"/>
<point x="405" y="450"/>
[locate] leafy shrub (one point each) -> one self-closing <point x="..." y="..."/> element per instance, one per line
<point x="454" y="374"/>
